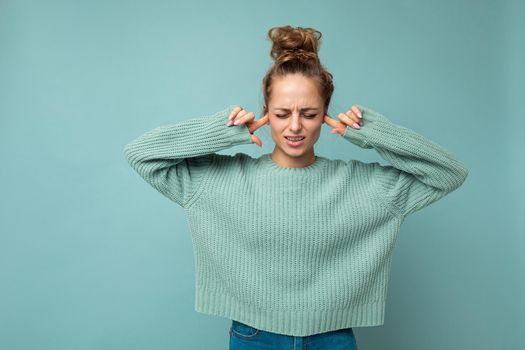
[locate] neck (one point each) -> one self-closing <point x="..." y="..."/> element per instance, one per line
<point x="284" y="160"/>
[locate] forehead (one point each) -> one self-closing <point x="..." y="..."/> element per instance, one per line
<point x="293" y="92"/>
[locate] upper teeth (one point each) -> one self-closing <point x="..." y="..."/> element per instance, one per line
<point x="297" y="138"/>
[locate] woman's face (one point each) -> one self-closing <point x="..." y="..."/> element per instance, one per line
<point x="295" y="108"/>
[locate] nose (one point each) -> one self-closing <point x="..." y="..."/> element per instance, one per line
<point x="295" y="123"/>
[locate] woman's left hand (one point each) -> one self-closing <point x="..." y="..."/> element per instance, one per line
<point x="352" y="117"/>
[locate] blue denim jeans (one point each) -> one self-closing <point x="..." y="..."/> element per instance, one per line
<point x="244" y="337"/>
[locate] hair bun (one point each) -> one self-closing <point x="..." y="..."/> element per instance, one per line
<point x="289" y="43"/>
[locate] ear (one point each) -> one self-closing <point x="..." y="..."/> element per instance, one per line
<point x="265" y="111"/>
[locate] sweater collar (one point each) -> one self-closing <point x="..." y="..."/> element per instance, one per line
<point x="269" y="164"/>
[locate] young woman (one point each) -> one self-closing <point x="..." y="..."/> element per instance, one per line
<point x="294" y="248"/>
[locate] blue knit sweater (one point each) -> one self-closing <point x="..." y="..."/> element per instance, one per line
<point x="296" y="251"/>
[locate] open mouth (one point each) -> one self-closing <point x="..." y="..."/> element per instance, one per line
<point x="294" y="140"/>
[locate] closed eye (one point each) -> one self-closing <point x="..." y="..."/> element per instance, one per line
<point x="310" y="116"/>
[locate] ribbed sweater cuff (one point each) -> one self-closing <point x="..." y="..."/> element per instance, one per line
<point x="231" y="135"/>
<point x="237" y="134"/>
<point x="372" y="123"/>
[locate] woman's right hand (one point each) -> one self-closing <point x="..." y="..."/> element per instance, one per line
<point x="239" y="116"/>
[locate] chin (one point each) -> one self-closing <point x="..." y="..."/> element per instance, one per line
<point x="294" y="152"/>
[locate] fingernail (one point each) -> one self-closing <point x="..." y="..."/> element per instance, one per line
<point x="229" y="123"/>
<point x="236" y="122"/>
<point x="356" y="126"/>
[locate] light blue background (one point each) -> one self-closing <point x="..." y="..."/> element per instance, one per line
<point x="91" y="257"/>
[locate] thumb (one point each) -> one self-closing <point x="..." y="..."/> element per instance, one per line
<point x="256" y="140"/>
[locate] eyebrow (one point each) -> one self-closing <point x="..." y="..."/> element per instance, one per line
<point x="302" y="109"/>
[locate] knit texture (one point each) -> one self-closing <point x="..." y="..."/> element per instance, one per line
<point x="295" y="251"/>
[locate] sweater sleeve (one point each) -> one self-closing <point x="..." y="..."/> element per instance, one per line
<point x="174" y="158"/>
<point x="422" y="171"/>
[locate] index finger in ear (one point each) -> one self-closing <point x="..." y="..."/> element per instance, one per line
<point x="256" y="124"/>
<point x="330" y="121"/>
<point x="263" y="120"/>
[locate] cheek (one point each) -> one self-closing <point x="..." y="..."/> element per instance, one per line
<point x="315" y="128"/>
<point x="276" y="136"/>
<point x="315" y="136"/>
<point x="277" y="127"/>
